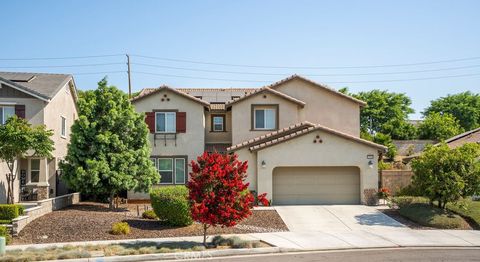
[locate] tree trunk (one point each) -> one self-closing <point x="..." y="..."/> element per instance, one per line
<point x="11" y="181"/>
<point x="205" y="227"/>
<point x="111" y="205"/>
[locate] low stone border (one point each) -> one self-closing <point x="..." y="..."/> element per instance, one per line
<point x="43" y="207"/>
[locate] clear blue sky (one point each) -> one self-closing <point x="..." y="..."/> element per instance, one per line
<point x="273" y="33"/>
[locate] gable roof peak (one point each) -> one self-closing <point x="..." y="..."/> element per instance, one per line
<point x="325" y="87"/>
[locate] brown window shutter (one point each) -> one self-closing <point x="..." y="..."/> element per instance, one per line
<point x="150" y="120"/>
<point x="181" y="122"/>
<point x="20" y="111"/>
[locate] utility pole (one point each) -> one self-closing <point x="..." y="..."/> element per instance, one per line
<point x="129" y="80"/>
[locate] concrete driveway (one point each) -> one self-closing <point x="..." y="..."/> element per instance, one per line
<point x="335" y="218"/>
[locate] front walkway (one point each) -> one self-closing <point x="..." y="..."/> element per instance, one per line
<point x="330" y="218"/>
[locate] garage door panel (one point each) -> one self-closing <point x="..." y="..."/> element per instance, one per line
<point x="316" y="185"/>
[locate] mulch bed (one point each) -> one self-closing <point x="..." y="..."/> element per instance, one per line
<point x="92" y="221"/>
<point x="393" y="213"/>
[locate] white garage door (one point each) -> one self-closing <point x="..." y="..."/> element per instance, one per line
<point x="316" y="185"/>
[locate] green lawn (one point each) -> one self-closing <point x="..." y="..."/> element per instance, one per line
<point x="430" y="216"/>
<point x="468" y="209"/>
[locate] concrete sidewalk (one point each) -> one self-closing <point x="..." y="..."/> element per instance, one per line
<point x="348" y="239"/>
<point x="321" y="240"/>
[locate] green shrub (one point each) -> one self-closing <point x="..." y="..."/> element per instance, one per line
<point x="120" y="228"/>
<point x="403" y="201"/>
<point x="4" y="232"/>
<point x="10" y="211"/>
<point x="409" y="190"/>
<point x="171" y="205"/>
<point x="149" y="214"/>
<point x="428" y="215"/>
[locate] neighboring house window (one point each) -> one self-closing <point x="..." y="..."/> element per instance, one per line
<point x="264" y="118"/>
<point x="165" y="122"/>
<point x="5" y="113"/>
<point x="171" y="170"/>
<point x="34" y="170"/>
<point x="64" y="127"/>
<point x="218" y="123"/>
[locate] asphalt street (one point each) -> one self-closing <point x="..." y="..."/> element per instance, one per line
<point x="371" y="255"/>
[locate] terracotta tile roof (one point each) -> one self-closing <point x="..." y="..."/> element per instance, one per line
<point x="269" y="90"/>
<point x="295" y="76"/>
<point x="147" y="92"/>
<point x="312" y="129"/>
<point x="272" y="135"/>
<point x="293" y="132"/>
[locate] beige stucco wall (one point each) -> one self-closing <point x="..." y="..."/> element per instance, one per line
<point x="242" y="116"/>
<point x="35" y="115"/>
<point x="38" y="112"/>
<point x="324" y="107"/>
<point x="334" y="151"/>
<point x="191" y="143"/>
<point x="218" y="137"/>
<point x="245" y="155"/>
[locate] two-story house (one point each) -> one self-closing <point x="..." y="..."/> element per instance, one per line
<point x="42" y="99"/>
<point x="301" y="139"/>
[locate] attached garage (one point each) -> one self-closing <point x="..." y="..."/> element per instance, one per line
<point x="316" y="185"/>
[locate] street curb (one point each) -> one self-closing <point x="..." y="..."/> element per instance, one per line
<point x="181" y="255"/>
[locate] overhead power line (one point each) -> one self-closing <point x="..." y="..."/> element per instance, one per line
<point x="62" y="66"/>
<point x="308" y="67"/>
<point x="282" y="74"/>
<point x="329" y="82"/>
<point x="98" y="73"/>
<point x="59" y="58"/>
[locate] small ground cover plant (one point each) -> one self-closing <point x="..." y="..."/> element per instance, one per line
<point x="120" y="228"/>
<point x="149" y="214"/>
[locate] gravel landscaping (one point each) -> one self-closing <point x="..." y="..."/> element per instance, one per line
<point x="92" y="221"/>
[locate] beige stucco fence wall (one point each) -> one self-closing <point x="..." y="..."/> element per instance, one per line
<point x="43" y="207"/>
<point x="395" y="180"/>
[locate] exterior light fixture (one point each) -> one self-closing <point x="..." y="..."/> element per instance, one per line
<point x="370" y="163"/>
<point x="264" y="164"/>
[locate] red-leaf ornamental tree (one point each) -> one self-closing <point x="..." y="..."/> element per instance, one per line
<point x="218" y="193"/>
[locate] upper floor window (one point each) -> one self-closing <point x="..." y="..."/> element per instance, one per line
<point x="218" y="123"/>
<point x="265" y="117"/>
<point x="63" y="131"/>
<point x="165" y="122"/>
<point x="5" y="113"/>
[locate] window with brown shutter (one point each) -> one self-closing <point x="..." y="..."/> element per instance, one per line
<point x="20" y="111"/>
<point x="181" y="122"/>
<point x="150" y="120"/>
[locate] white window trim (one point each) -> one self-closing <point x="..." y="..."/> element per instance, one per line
<point x="63" y="129"/>
<point x="184" y="171"/>
<point x="264" y="109"/>
<point x="172" y="170"/>
<point x="213" y="124"/>
<point x="166" y="124"/>
<point x="29" y="174"/>
<point x="3" y="112"/>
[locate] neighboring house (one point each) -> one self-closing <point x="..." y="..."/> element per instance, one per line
<point x="301" y="139"/>
<point x="472" y="136"/>
<point x="408" y="148"/>
<point x="42" y="99"/>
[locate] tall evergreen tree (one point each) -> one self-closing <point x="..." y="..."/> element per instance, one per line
<point x="109" y="149"/>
